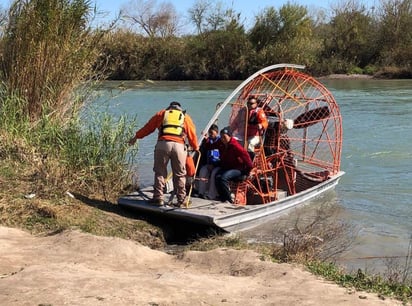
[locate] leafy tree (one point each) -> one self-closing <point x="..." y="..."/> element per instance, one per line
<point x="350" y="37"/>
<point x="296" y="38"/>
<point x="295" y="21"/>
<point x="395" y="35"/>
<point x="164" y="59"/>
<point x="284" y="36"/>
<point x="218" y="55"/>
<point x="266" y="28"/>
<point x="121" y="54"/>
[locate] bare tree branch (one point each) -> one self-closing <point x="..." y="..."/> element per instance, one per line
<point x="152" y="19"/>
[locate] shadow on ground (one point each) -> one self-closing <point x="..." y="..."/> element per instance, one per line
<point x="175" y="232"/>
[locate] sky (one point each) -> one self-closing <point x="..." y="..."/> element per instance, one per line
<point x="247" y="8"/>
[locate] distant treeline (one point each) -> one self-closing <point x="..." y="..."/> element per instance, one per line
<point x="354" y="40"/>
<point x="148" y="40"/>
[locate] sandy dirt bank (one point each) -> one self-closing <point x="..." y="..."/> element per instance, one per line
<point x="73" y="268"/>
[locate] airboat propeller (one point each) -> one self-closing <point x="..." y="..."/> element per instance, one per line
<point x="311" y="117"/>
<point x="309" y="149"/>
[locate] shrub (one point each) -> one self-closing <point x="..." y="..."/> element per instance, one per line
<point x="370" y="69"/>
<point x="355" y="70"/>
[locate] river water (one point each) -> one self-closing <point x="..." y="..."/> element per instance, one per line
<point x="374" y="195"/>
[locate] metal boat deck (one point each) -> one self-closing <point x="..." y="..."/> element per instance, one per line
<point x="226" y="216"/>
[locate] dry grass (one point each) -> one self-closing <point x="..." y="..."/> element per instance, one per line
<point x="323" y="238"/>
<point x="49" y="211"/>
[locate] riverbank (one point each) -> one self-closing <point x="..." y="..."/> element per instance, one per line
<point x="347" y="76"/>
<point x="28" y="202"/>
<point x="81" y="269"/>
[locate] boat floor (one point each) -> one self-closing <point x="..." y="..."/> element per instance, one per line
<point x="199" y="209"/>
<point x="224" y="215"/>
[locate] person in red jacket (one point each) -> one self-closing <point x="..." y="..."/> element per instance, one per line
<point x="234" y="162"/>
<point x="175" y="127"/>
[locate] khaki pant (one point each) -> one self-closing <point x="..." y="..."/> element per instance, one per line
<point x="176" y="153"/>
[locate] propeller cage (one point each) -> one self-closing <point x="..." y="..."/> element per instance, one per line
<point x="289" y="160"/>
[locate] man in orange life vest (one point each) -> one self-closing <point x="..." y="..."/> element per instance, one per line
<point x="257" y="124"/>
<point x="174" y="127"/>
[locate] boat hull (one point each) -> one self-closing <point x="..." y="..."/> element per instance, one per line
<point x="226" y="216"/>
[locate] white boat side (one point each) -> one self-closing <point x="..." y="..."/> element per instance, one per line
<point x="261" y="213"/>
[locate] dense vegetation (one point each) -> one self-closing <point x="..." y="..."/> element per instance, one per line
<point x="48" y="51"/>
<point x="59" y="171"/>
<point x="350" y="38"/>
<point x="150" y="40"/>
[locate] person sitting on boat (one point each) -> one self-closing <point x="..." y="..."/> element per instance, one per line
<point x="256" y="125"/>
<point x="206" y="186"/>
<point x="175" y="126"/>
<point x="234" y="163"/>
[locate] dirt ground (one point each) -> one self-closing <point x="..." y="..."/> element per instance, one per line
<point x="74" y="268"/>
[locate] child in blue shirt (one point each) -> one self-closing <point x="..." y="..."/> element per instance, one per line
<point x="206" y="186"/>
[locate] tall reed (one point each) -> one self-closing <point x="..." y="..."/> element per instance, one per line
<point x="97" y="154"/>
<point x="48" y="50"/>
<point x="48" y="53"/>
<point x="88" y="155"/>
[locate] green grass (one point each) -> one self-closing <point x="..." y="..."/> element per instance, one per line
<point x="88" y="159"/>
<point x="361" y="281"/>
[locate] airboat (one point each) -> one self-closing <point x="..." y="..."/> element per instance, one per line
<point x="292" y="167"/>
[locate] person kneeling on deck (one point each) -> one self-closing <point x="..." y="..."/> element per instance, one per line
<point x="174" y="127"/>
<point x="235" y="162"/>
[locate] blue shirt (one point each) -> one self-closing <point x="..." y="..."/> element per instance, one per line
<point x="213" y="156"/>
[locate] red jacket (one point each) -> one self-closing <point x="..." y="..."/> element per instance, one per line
<point x="156" y="123"/>
<point x="232" y="155"/>
<point x="256" y="116"/>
